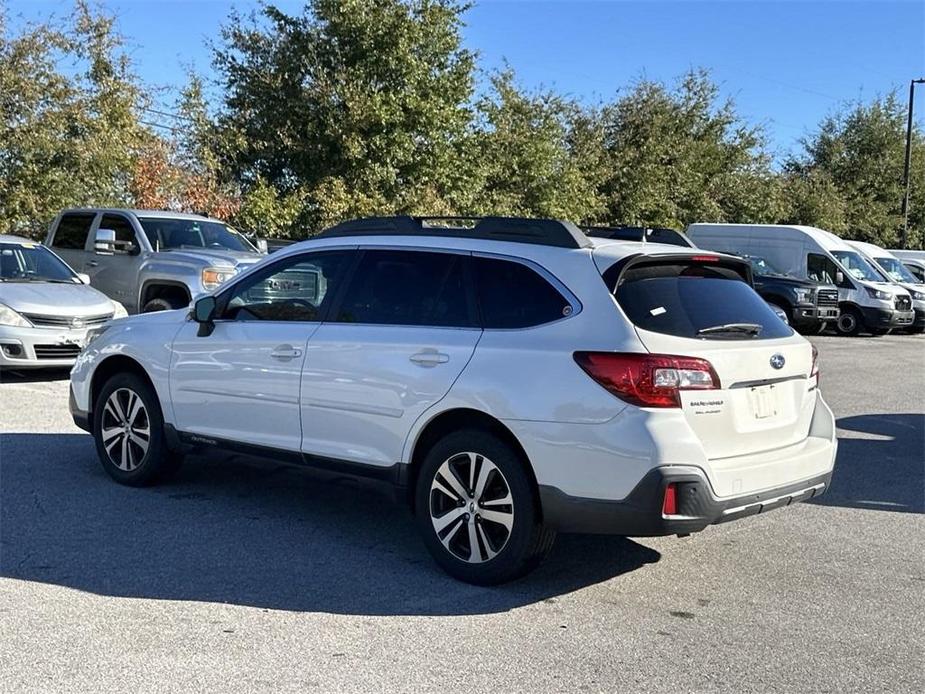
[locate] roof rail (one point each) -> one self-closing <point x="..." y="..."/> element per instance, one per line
<point x="542" y="232"/>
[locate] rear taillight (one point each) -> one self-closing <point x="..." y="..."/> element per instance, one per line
<point x="814" y="369"/>
<point x="648" y="380"/>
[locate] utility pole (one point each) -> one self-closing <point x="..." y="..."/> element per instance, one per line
<point x="905" y="210"/>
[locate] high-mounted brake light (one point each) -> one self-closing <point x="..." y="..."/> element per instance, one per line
<point x="706" y="258"/>
<point x="648" y="380"/>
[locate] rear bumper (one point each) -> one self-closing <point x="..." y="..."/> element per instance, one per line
<point x="640" y="513"/>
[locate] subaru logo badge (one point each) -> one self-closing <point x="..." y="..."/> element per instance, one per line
<point x="77" y="323"/>
<point x="778" y="361"/>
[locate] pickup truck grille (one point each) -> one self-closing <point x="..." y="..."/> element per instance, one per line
<point x="56" y="351"/>
<point x="903" y="303"/>
<point x="48" y="321"/>
<point x="827" y="297"/>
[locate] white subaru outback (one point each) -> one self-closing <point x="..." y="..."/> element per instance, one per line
<point x="510" y="377"/>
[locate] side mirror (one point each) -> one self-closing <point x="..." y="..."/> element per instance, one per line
<point x="839" y="277"/>
<point x="204" y="309"/>
<point x="83" y="277"/>
<point x="105" y="240"/>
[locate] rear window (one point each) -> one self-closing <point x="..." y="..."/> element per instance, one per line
<point x="697" y="301"/>
<point x="72" y="231"/>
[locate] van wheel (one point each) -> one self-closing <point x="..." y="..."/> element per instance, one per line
<point x="849" y="322"/>
<point x="160" y="304"/>
<point x="128" y="430"/>
<point x="477" y="510"/>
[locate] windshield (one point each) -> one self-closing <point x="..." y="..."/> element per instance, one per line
<point x="857" y="267"/>
<point x="760" y="266"/>
<point x="30" y="262"/>
<point x="896" y="271"/>
<point x="166" y="234"/>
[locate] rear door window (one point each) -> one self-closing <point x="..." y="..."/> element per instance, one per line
<point x="408" y="288"/>
<point x="512" y="295"/>
<point x="697" y="301"/>
<point x="72" y="231"/>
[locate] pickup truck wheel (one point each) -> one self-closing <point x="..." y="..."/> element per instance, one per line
<point x="128" y="430"/>
<point x="160" y="304"/>
<point x="477" y="511"/>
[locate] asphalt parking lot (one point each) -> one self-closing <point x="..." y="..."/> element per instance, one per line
<point x="252" y="577"/>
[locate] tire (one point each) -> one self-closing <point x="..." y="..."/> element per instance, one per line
<point x="510" y="544"/>
<point x="850" y="322"/>
<point x="161" y="304"/>
<point x="126" y="459"/>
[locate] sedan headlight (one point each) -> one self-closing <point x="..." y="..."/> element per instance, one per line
<point x="214" y="276"/>
<point x="878" y="294"/>
<point x="804" y="296"/>
<point x="9" y="317"/>
<point x="118" y="310"/>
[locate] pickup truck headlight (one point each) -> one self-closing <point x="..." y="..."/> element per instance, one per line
<point x="9" y="317"/>
<point x="878" y="294"/>
<point x="804" y="296"/>
<point x="118" y="310"/>
<point x="214" y="276"/>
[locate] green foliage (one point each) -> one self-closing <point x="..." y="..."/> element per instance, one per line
<point x="855" y="166"/>
<point x="368" y="107"/>
<point x="66" y="137"/>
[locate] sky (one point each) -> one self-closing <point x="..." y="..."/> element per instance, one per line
<point x="787" y="64"/>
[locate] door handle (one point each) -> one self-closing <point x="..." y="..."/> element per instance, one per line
<point x="285" y="353"/>
<point x="92" y="263"/>
<point x="429" y="357"/>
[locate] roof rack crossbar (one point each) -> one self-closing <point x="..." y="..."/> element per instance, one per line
<point x="543" y="232"/>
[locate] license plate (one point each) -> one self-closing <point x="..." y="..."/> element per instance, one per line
<point x="764" y="401"/>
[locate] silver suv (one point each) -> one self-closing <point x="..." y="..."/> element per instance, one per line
<point x="150" y="260"/>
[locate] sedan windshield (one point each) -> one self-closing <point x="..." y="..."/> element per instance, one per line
<point x="30" y="262"/>
<point x="858" y="267"/>
<point x="166" y="234"/>
<point x="896" y="270"/>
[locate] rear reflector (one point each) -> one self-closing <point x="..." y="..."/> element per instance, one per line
<point x="648" y="380"/>
<point x="670" y="504"/>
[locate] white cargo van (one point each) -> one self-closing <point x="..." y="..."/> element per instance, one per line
<point x="868" y="301"/>
<point x="893" y="268"/>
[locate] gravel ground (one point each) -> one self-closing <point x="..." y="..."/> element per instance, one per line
<point x="247" y="577"/>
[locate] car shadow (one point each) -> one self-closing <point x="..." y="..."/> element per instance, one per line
<point x="884" y="470"/>
<point x="34" y="375"/>
<point x="244" y="532"/>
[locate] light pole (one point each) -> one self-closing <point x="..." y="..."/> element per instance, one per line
<point x="905" y="209"/>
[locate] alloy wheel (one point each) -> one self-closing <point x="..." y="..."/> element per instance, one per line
<point x="471" y="507"/>
<point x="125" y="429"/>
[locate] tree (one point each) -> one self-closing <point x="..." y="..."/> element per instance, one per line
<point x="858" y="153"/>
<point x="529" y="149"/>
<point x="68" y="135"/>
<point x="355" y="106"/>
<point x="676" y="156"/>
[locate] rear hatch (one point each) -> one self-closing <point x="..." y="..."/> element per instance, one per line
<point x="703" y="307"/>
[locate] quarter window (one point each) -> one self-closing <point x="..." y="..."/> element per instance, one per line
<point x="294" y="289"/>
<point x="407" y="288"/>
<point x="512" y="295"/>
<point x="72" y="231"/>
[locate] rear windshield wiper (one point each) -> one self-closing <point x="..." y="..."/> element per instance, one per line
<point x="743" y="328"/>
